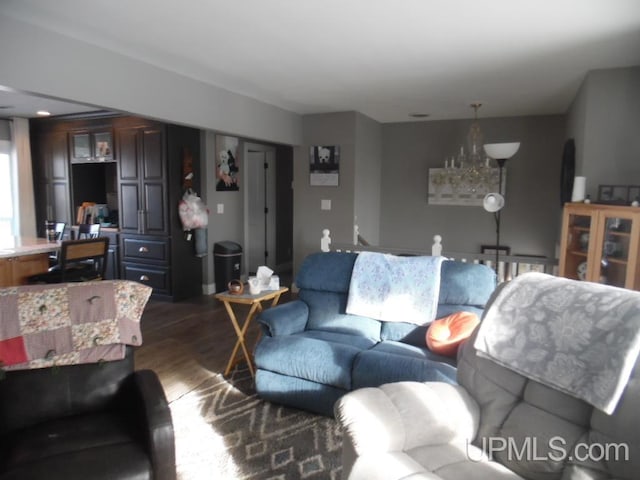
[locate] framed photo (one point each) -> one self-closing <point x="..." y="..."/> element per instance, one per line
<point x="618" y="194"/>
<point x="324" y="165"/>
<point x="227" y="172"/>
<point x="605" y="193"/>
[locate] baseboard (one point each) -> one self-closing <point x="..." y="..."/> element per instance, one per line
<point x="208" y="288"/>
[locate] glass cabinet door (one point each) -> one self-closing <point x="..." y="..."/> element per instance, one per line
<point x="613" y="249"/>
<point x="578" y="243"/>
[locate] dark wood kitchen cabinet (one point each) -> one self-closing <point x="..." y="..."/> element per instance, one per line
<point x="143" y="179"/>
<point x="144" y="187"/>
<point x="153" y="249"/>
<point x="51" y="178"/>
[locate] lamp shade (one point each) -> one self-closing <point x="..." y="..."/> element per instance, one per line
<point x="493" y="202"/>
<point x="499" y="151"/>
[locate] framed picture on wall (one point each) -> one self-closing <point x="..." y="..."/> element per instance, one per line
<point x="324" y="165"/>
<point x="227" y="172"/>
<point x="618" y="194"/>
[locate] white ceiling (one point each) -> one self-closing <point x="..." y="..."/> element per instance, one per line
<point x="18" y="104"/>
<point x="384" y="58"/>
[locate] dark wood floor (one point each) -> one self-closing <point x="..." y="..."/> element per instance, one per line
<point x="187" y="342"/>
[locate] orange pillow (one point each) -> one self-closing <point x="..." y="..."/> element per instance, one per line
<point x="445" y="334"/>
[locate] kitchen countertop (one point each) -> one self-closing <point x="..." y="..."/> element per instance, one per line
<point x="20" y="246"/>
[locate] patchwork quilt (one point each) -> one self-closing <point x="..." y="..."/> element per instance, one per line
<point x="69" y="323"/>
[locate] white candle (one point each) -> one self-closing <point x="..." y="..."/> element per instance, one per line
<point x="579" y="187"/>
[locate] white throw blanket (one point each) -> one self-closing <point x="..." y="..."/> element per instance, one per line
<point x="578" y="337"/>
<point x="395" y="289"/>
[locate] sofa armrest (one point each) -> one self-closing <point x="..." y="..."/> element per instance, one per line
<point x="154" y="409"/>
<point x="401" y="416"/>
<point x="285" y="319"/>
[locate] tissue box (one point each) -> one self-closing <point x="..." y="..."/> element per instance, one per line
<point x="274" y="284"/>
<point x="264" y="276"/>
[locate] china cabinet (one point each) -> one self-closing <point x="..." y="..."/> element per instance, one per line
<point x="600" y="244"/>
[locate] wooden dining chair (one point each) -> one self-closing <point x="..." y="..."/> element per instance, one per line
<point x="54" y="257"/>
<point x="80" y="261"/>
<point x="88" y="230"/>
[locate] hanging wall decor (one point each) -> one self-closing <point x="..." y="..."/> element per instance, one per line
<point x="452" y="186"/>
<point x="324" y="165"/>
<point x="227" y="172"/>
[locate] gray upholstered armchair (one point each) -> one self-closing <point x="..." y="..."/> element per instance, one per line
<point x="499" y="423"/>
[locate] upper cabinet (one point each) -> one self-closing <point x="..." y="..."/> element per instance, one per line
<point x="143" y="179"/>
<point x="51" y="178"/>
<point x="91" y="146"/>
<point x="600" y="244"/>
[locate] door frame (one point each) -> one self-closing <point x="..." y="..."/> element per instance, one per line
<point x="270" y="151"/>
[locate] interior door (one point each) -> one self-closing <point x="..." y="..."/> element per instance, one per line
<point x="260" y="205"/>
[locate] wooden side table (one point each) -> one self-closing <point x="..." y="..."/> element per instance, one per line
<point x="256" y="307"/>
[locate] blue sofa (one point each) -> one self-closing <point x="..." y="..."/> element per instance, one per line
<point x="312" y="352"/>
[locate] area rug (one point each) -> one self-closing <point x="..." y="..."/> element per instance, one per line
<point x="224" y="431"/>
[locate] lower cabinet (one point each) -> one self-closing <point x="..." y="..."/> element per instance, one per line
<point x="155" y="277"/>
<point x="112" y="271"/>
<point x="146" y="259"/>
<point x="16" y="270"/>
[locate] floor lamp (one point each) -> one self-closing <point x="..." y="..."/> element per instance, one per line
<point x="494" y="202"/>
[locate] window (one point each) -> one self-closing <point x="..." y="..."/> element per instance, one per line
<point x="6" y="190"/>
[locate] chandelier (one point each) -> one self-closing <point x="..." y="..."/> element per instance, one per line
<point x="469" y="171"/>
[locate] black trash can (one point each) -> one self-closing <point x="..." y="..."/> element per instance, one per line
<point x="227" y="262"/>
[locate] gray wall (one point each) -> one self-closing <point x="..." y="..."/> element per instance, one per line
<point x="228" y="225"/>
<point x="43" y="62"/>
<point x="367" y="182"/>
<point x="5" y="130"/>
<point x="530" y="219"/>
<point x="383" y="181"/>
<point x="604" y="120"/>
<point x="308" y="219"/>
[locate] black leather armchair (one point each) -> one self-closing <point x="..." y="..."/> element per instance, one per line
<point x="92" y="421"/>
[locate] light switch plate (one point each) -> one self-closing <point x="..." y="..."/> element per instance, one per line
<point x="220" y="208"/>
<point x="325" y="204"/>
